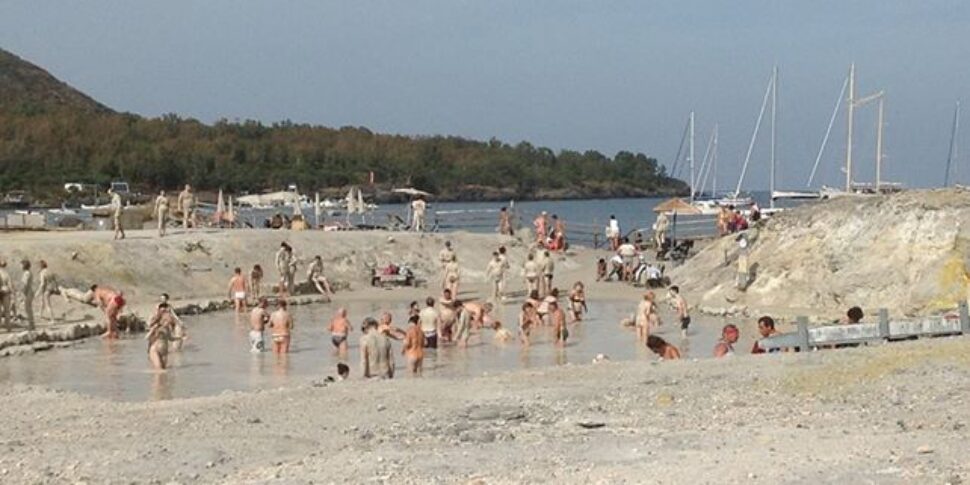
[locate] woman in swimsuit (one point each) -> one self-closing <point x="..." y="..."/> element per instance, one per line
<point x="660" y="347"/>
<point x="159" y="334"/>
<point x="577" y="301"/>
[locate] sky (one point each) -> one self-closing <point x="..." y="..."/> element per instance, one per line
<point x="602" y="75"/>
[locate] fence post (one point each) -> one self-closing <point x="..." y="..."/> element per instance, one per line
<point x="964" y="318"/>
<point x="803" y="343"/>
<point x="884" y="323"/>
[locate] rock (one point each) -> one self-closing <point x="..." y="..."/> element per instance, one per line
<point x="477" y="436"/>
<point x="924" y="450"/>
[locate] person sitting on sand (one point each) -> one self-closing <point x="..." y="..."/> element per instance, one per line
<point x="601" y="269"/>
<point x="238" y="288"/>
<point x="558" y="320"/>
<point x="660" y="347"/>
<point x="729" y="336"/>
<point x="766" y="327"/>
<point x="317" y="279"/>
<point x="577" y="301"/>
<point x="258" y="318"/>
<point x="339" y="331"/>
<point x="413" y="347"/>
<point x="158" y="336"/>
<point x="343" y="371"/>
<point x="376" y="359"/>
<point x="281" y="323"/>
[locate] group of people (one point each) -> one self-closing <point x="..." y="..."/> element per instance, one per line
<point x="45" y="286"/>
<point x="730" y="220"/>
<point x="550" y="234"/>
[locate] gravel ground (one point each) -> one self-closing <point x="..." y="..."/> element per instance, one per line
<point x="888" y="414"/>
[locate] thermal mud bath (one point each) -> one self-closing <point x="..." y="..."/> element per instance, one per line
<point x="603" y="408"/>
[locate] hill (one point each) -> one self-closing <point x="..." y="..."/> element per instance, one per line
<point x="28" y="89"/>
<point x="51" y="133"/>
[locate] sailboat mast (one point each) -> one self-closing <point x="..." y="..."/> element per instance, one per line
<point x="774" y="111"/>
<point x="952" y="154"/>
<point x="882" y="100"/>
<point x="848" y="143"/>
<point x="714" y="162"/>
<point x="691" y="154"/>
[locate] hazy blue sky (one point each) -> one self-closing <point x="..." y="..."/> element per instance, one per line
<point x="604" y="75"/>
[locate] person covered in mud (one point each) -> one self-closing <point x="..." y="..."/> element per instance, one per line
<point x="494" y="273"/>
<point x="385" y="325"/>
<point x="463" y="324"/>
<point x="258" y="318"/>
<point x="281" y="323"/>
<point x="660" y="347"/>
<point x="27" y="292"/>
<point x="445" y="257"/>
<point x="528" y="319"/>
<point x="448" y="313"/>
<point x="558" y="319"/>
<point x="179" y="335"/>
<point x="161" y="212"/>
<point x="48" y="287"/>
<point x="256" y="282"/>
<point x="286" y="266"/>
<point x="505" y="222"/>
<point x="766" y="328"/>
<point x="116" y="211"/>
<point x="531" y="271"/>
<point x="729" y="336"/>
<point x="238" y="289"/>
<point x="452" y="276"/>
<point x="502" y="334"/>
<point x="376" y="359"/>
<point x="339" y="332"/>
<point x="413" y="348"/>
<point x="186" y="204"/>
<point x="506" y="268"/>
<point x="6" y="297"/>
<point x="601" y="269"/>
<point x="159" y="335"/>
<point x="548" y="270"/>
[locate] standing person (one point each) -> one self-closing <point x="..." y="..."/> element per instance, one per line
<point x="116" y="209"/>
<point x="528" y="319"/>
<point x="159" y="335"/>
<point x="644" y="310"/>
<point x="660" y="347"/>
<point x="506" y="268"/>
<point x="161" y="212"/>
<point x="541" y="224"/>
<point x="613" y="233"/>
<point x="548" y="268"/>
<point x="376" y="358"/>
<point x="493" y="274"/>
<point x="531" y="271"/>
<point x="418" y="208"/>
<point x="339" y="332"/>
<point x="186" y="204"/>
<point x="413" y="347"/>
<point x="27" y="292"/>
<point x="256" y="282"/>
<point x="258" y="318"/>
<point x="430" y="323"/>
<point x="505" y="222"/>
<point x="48" y="287"/>
<point x="445" y="257"/>
<point x="316" y="277"/>
<point x="558" y="319"/>
<point x="6" y="297"/>
<point x="681" y="307"/>
<point x="179" y="335"/>
<point x="463" y="324"/>
<point x="577" y="301"/>
<point x="558" y="234"/>
<point x="238" y="288"/>
<point x="660" y="230"/>
<point x="729" y="336"/>
<point x="286" y="265"/>
<point x="452" y="276"/>
<point x="766" y="327"/>
<point x="628" y="253"/>
<point x="281" y="322"/>
<point x="385" y="325"/>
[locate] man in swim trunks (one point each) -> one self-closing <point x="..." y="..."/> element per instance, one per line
<point x="681" y="307"/>
<point x="430" y="323"/>
<point x="376" y="359"/>
<point x="238" y="287"/>
<point x="186" y="204"/>
<point x="766" y="327"/>
<point x="257" y="324"/>
<point x="339" y="331"/>
<point x="725" y="346"/>
<point x="111" y="302"/>
<point x="504" y="222"/>
<point x="282" y="325"/>
<point x="418" y="208"/>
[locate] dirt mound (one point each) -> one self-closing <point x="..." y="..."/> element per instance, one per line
<point x="907" y="253"/>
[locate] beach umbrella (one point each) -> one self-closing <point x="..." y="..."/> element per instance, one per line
<point x="677" y="206"/>
<point x="316" y="210"/>
<point x="220" y="208"/>
<point x="360" y="204"/>
<point x="232" y="213"/>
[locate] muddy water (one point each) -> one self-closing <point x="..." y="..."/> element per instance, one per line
<point x="216" y="357"/>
